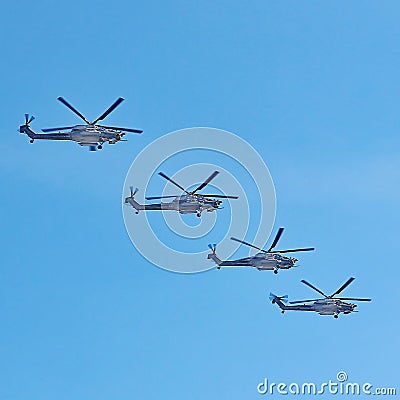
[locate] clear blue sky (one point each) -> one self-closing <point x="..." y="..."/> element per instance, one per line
<point x="314" y="86"/>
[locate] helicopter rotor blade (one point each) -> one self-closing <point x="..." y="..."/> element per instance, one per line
<point x="206" y="182"/>
<point x="352" y="298"/>
<point x="247" y="244"/>
<point x="220" y="196"/>
<point x="292" y="250"/>
<point x="62" y="128"/>
<point x="277" y="237"/>
<point x="344" y="286"/>
<point x="173" y="182"/>
<point x="109" y="110"/>
<point x="313" y="287"/>
<point x="121" y="129"/>
<point x="74" y="110"/>
<point x="160" y="197"/>
<point x="302" y="301"/>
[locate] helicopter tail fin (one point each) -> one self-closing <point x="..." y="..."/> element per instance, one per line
<point x="25" y="128"/>
<point x="213" y="256"/>
<point x="131" y="200"/>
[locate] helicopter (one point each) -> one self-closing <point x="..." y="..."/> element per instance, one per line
<point x="270" y="259"/>
<point x="89" y="134"/>
<point x="188" y="203"/>
<point x="329" y="305"/>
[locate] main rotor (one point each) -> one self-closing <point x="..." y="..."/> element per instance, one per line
<point x="94" y="123"/>
<point x="274" y="243"/>
<point x="193" y="192"/>
<point x="332" y="296"/>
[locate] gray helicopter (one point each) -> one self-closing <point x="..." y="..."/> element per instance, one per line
<point x="189" y="203"/>
<point x="90" y="134"/>
<point x="329" y="305"/>
<point x="270" y="259"/>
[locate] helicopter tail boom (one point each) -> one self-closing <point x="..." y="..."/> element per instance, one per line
<point x="130" y="200"/>
<point x="138" y="207"/>
<point x="26" y="129"/>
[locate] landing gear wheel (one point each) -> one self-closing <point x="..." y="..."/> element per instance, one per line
<point x="218" y="268"/>
<point x="136" y="212"/>
<point x="31" y="141"/>
<point x="275" y="271"/>
<point x="198" y="214"/>
<point x="99" y="146"/>
<point x="336" y="316"/>
<point x="283" y="311"/>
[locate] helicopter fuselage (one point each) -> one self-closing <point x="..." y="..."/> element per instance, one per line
<point x="85" y="135"/>
<point x="263" y="261"/>
<point x="329" y="306"/>
<point x="333" y="307"/>
<point x="191" y="204"/>
<point x="326" y="307"/>
<point x="89" y="134"/>
<point x="186" y="204"/>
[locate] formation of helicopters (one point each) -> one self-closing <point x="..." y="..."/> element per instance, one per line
<point x="94" y="135"/>
<point x="89" y="134"/>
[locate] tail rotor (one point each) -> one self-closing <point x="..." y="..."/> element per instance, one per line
<point x="213" y="247"/>
<point x="25" y="127"/>
<point x="28" y="119"/>
<point x="133" y="192"/>
<point x="283" y="299"/>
